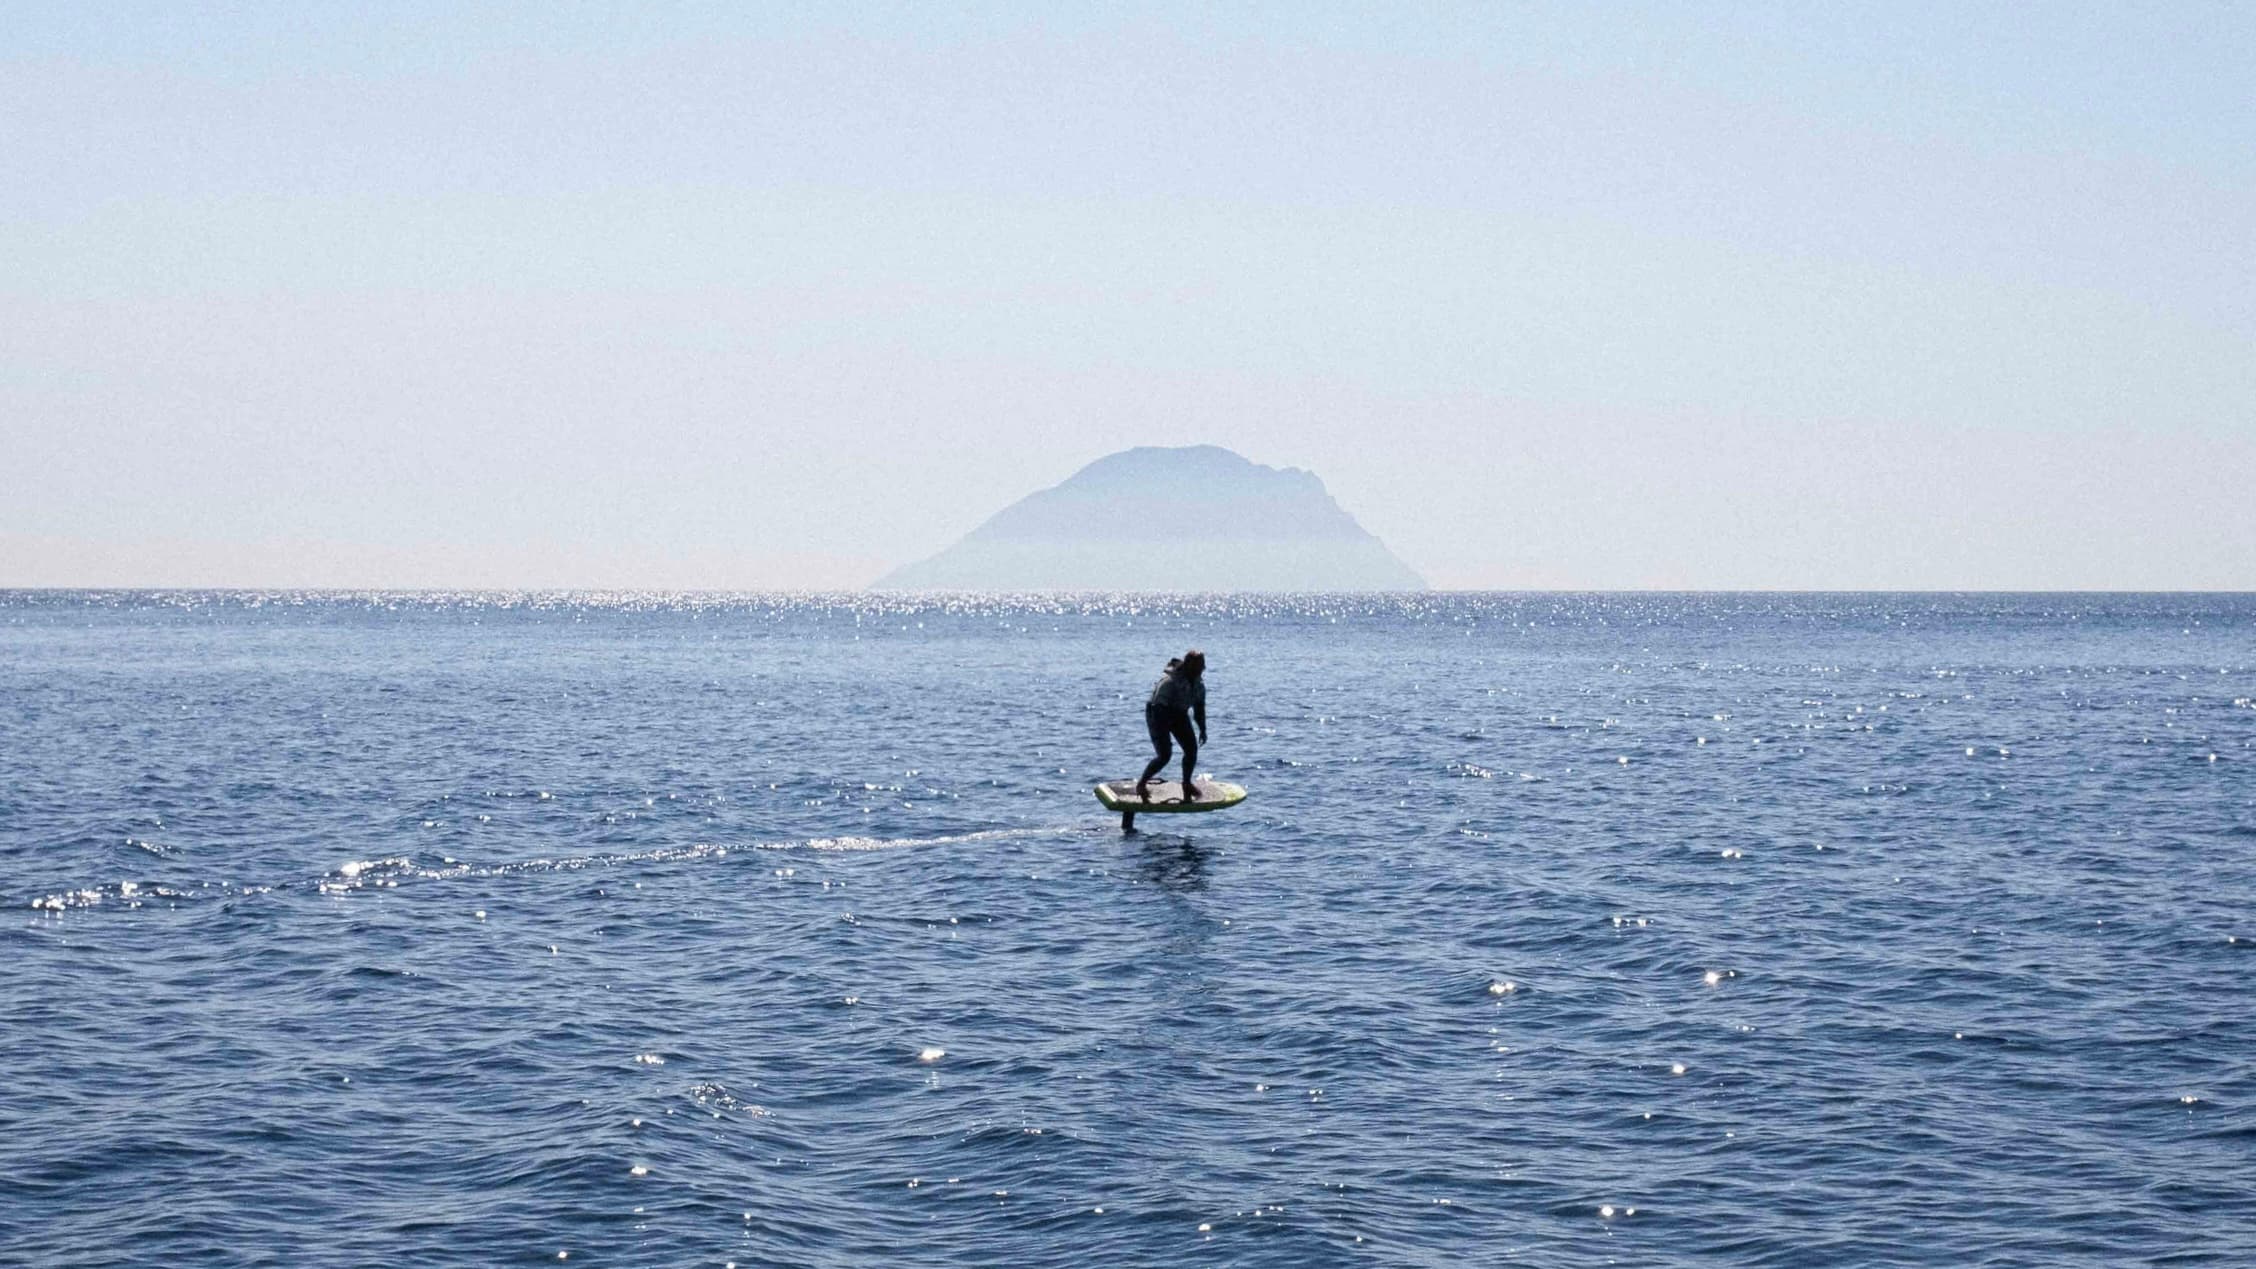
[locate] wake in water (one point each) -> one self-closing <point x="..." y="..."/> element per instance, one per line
<point x="388" y="873"/>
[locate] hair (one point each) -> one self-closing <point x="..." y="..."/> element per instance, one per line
<point x="1194" y="661"/>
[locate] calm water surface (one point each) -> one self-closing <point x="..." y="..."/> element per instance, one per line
<point x="1775" y="930"/>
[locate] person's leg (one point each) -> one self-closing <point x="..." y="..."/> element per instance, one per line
<point x="1157" y="726"/>
<point x="1188" y="739"/>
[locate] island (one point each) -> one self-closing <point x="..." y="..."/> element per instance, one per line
<point x="1189" y="518"/>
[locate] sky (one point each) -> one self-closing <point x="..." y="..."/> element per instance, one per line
<point x="1813" y="296"/>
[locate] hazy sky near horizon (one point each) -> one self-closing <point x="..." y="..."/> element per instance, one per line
<point x="1807" y="296"/>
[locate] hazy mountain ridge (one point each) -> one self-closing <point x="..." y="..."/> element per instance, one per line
<point x="1192" y="518"/>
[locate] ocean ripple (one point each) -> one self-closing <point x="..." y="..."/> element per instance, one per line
<point x="360" y="928"/>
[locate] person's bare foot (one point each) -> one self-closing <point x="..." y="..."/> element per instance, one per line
<point x="1142" y="791"/>
<point x="1190" y="792"/>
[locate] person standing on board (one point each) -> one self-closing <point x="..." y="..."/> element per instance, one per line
<point x="1177" y="699"/>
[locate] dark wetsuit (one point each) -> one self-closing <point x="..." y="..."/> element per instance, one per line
<point x="1168" y="715"/>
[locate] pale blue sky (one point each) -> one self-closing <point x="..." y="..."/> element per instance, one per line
<point x="734" y="295"/>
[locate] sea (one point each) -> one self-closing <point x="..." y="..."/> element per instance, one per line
<point x="1557" y="929"/>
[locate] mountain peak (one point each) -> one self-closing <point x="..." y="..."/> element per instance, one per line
<point x="1175" y="459"/>
<point x="1195" y="517"/>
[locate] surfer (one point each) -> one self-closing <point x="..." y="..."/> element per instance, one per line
<point x="1177" y="699"/>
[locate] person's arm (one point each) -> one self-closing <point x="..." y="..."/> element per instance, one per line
<point x="1198" y="711"/>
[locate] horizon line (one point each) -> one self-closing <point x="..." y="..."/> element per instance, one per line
<point x="989" y="593"/>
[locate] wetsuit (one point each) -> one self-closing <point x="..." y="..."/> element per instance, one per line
<point x="1175" y="700"/>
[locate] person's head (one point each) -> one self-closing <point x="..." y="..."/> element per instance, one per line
<point x="1194" y="663"/>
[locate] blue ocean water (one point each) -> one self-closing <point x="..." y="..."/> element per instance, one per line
<point x="1642" y="929"/>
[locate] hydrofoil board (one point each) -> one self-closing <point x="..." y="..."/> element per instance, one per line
<point x="1167" y="798"/>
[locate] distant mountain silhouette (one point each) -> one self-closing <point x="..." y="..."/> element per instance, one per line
<point x="1194" y="518"/>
